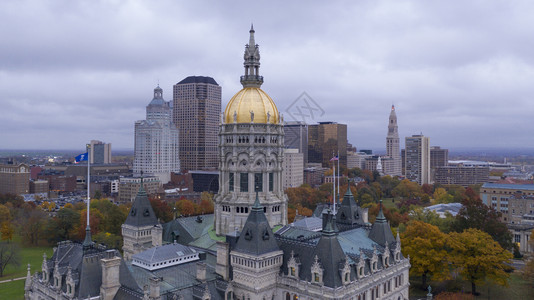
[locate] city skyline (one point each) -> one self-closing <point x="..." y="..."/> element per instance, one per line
<point x="461" y="75"/>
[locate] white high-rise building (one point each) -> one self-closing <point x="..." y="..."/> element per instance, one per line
<point x="392" y="163"/>
<point x="156" y="141"/>
<point x="293" y="168"/>
<point x="417" y="159"/>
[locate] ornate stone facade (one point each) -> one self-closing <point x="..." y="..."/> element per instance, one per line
<point x="251" y="142"/>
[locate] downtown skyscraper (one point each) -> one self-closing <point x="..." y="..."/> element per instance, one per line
<point x="156" y="141"/>
<point x="197" y="114"/>
<point x="417" y="159"/>
<point x="393" y="163"/>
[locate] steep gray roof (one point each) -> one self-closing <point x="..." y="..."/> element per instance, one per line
<point x="86" y="268"/>
<point x="380" y="231"/>
<point x="330" y="254"/>
<point x="349" y="212"/>
<point x="257" y="237"/>
<point x="187" y="229"/>
<point x="141" y="213"/>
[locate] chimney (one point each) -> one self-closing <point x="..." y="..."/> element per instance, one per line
<point x="201" y="271"/>
<point x="154" y="288"/>
<point x="157" y="235"/>
<point x="110" y="275"/>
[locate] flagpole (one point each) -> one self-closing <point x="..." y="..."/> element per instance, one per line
<point x="334" y="185"/>
<point x="338" y="179"/>
<point x="88" y="181"/>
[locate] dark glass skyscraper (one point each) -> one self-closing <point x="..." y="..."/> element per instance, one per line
<point x="197" y="113"/>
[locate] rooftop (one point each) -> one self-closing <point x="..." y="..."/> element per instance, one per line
<point x="529" y="187"/>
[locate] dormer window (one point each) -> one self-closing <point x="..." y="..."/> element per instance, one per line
<point x="293" y="266"/>
<point x="345" y="271"/>
<point x="248" y="235"/>
<point x="317" y="271"/>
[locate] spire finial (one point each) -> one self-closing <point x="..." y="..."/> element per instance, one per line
<point x="257" y="205"/>
<point x="251" y="27"/>
<point x="251" y="77"/>
<point x="380" y="217"/>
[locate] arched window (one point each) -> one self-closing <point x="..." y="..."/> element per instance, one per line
<point x="288" y="297"/>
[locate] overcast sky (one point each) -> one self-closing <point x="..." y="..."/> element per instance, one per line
<point x="460" y="72"/>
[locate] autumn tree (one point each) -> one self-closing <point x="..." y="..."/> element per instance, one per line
<point x="427" y="247"/>
<point x="63" y="226"/>
<point x="162" y="209"/>
<point x="6" y="231"/>
<point x="407" y="189"/>
<point x="475" y="214"/>
<point x="16" y="200"/>
<point x="112" y="216"/>
<point x="477" y="258"/>
<point x="95" y="218"/>
<point x="5" y="214"/>
<point x="185" y="207"/>
<point x="6" y="226"/>
<point x="31" y="221"/>
<point x="206" y="203"/>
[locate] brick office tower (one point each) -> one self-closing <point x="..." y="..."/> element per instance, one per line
<point x="196" y="113"/>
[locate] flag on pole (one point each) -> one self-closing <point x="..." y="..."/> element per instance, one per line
<point x="81" y="157"/>
<point x="334" y="158"/>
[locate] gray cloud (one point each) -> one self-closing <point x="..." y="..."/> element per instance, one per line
<point x="72" y="71"/>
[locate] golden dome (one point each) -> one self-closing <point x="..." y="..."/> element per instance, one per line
<point x="251" y="99"/>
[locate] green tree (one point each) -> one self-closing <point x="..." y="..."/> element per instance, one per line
<point x="430" y="217"/>
<point x="388" y="183"/>
<point x="427" y="247"/>
<point x="477" y="258"/>
<point x="112" y="241"/>
<point x="441" y="196"/>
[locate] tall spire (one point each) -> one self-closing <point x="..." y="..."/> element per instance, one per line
<point x="252" y="63"/>
<point x="380" y="231"/>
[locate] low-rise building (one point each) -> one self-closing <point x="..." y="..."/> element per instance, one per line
<point x="461" y="175"/>
<point x="501" y="196"/>
<point x="129" y="186"/>
<point x="14" y="179"/>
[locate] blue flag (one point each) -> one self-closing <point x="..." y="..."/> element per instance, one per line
<point x="81" y="157"/>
